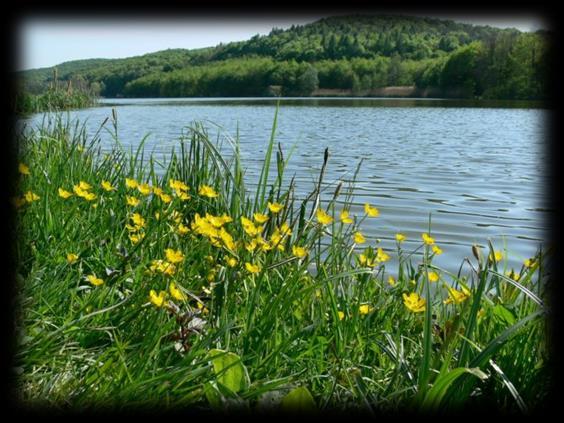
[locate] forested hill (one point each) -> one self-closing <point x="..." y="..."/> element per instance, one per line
<point x="353" y="54"/>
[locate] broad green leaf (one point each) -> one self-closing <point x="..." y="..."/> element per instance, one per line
<point x="229" y="370"/>
<point x="298" y="399"/>
<point x="504" y="314"/>
<point x="212" y="395"/>
<point x="437" y="392"/>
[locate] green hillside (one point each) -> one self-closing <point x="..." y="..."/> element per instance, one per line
<point x="354" y="54"/>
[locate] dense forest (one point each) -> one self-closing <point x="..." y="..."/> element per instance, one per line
<point x="353" y="54"/>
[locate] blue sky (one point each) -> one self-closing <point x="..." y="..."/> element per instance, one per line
<point x="46" y="42"/>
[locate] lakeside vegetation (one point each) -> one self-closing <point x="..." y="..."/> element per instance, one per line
<point x="143" y="282"/>
<point x="355" y="53"/>
<point x="58" y="96"/>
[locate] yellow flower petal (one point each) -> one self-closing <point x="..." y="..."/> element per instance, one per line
<point x="174" y="256"/>
<point x="414" y="302"/>
<point x="64" y="193"/>
<point x="208" y="191"/>
<point x="252" y="268"/>
<point x="371" y="211"/>
<point x="94" y="280"/>
<point x="359" y="238"/>
<point x="323" y="217"/>
<point x="23" y="169"/>
<point x="275" y="207"/>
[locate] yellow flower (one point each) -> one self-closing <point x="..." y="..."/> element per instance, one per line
<point x="252" y="268"/>
<point x="414" y="302"/>
<point x="225" y="219"/>
<point x="131" y="183"/>
<point x="30" y="197"/>
<point x="165" y="198"/>
<point x="94" y="280"/>
<point x="79" y="191"/>
<point x="251" y="246"/>
<point x="107" y="186"/>
<point x="84" y="185"/>
<point x="496" y="256"/>
<point x="341" y="315"/>
<point x="400" y="238"/>
<point x="260" y="218"/>
<point x="365" y="309"/>
<point x="433" y="277"/>
<point x="217" y="221"/>
<point x="72" y="258"/>
<point x="263" y="244"/>
<point x="178" y="185"/>
<point x="64" y="193"/>
<point x="182" y="230"/>
<point x="89" y="196"/>
<point x="176" y="293"/>
<point x="174" y="256"/>
<point x="207" y="191"/>
<point x="163" y="267"/>
<point x="359" y="238"/>
<point x="157" y="300"/>
<point x="232" y="262"/>
<point x="138" y="220"/>
<point x="511" y="274"/>
<point x="23" y="169"/>
<point x="132" y="201"/>
<point x="530" y="262"/>
<point x="381" y="256"/>
<point x="365" y="261"/>
<point x="437" y="250"/>
<point x="345" y="218"/>
<point x="136" y="238"/>
<point x="285" y="229"/>
<point x="427" y="239"/>
<point x="249" y="227"/>
<point x="299" y="252"/>
<point x="275" y="207"/>
<point x="457" y="296"/>
<point x="371" y="211"/>
<point x="323" y="217"/>
<point x="144" y="189"/>
<point x="158" y="191"/>
<point x="227" y="239"/>
<point x="182" y="195"/>
<point x="391" y="280"/>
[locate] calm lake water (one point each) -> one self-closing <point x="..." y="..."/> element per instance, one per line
<point x="478" y="168"/>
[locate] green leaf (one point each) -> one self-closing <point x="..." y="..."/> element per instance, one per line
<point x="213" y="396"/>
<point x="439" y="389"/>
<point x="504" y="314"/>
<point x="229" y="370"/>
<point x="298" y="399"/>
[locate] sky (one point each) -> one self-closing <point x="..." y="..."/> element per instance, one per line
<point x="44" y="42"/>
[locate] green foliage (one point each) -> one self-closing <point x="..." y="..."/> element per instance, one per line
<point x="298" y="400"/>
<point x="229" y="370"/>
<point x="354" y="53"/>
<point x="326" y="322"/>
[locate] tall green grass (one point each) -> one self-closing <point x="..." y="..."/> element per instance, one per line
<point x="52" y="100"/>
<point x="315" y="333"/>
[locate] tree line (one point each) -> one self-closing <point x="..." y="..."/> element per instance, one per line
<point x="354" y="53"/>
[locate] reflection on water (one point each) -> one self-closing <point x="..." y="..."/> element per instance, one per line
<point x="475" y="169"/>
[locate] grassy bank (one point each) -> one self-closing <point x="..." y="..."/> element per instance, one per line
<point x="149" y="283"/>
<point x="52" y="100"/>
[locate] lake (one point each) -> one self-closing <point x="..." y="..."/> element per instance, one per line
<point x="477" y="168"/>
